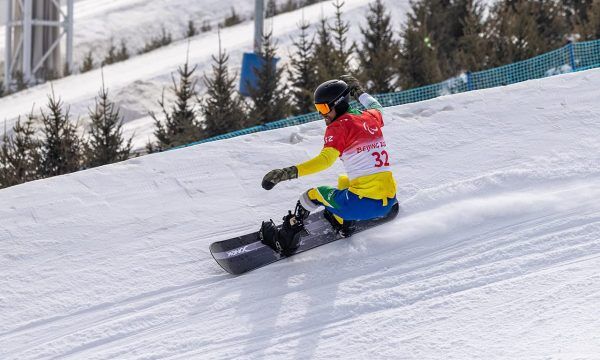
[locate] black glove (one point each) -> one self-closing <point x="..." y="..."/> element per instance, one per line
<point x="276" y="176"/>
<point x="355" y="88"/>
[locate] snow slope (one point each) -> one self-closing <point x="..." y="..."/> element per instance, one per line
<point x="496" y="255"/>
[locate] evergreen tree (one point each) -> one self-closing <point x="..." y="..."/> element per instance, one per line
<point x="222" y="107"/>
<point x="115" y="55"/>
<point x="418" y="62"/>
<point x="324" y="67"/>
<point x="61" y="148"/>
<point x="1" y="88"/>
<point x="576" y="11"/>
<point x="191" y="29"/>
<point x="106" y="144"/>
<point x="232" y="19"/>
<point x="206" y="26"/>
<point x="269" y="97"/>
<point x="180" y="123"/>
<point x="155" y="42"/>
<point x="303" y="73"/>
<point x="522" y="29"/>
<point x="21" y="83"/>
<point x="588" y="26"/>
<point x="340" y="53"/>
<point x="290" y="5"/>
<point x="446" y="23"/>
<point x="379" y="53"/>
<point x="514" y="33"/>
<point x="552" y="24"/>
<point x="123" y="53"/>
<point x="88" y="63"/>
<point x="473" y="48"/>
<point x="271" y="8"/>
<point x="20" y="156"/>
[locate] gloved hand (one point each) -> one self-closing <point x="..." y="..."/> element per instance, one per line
<point x="355" y="88"/>
<point x="276" y="176"/>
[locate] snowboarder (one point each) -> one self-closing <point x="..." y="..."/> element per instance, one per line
<point x="368" y="190"/>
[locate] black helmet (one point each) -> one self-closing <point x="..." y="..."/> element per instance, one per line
<point x="332" y="94"/>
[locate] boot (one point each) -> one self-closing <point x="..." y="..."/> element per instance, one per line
<point x="285" y="239"/>
<point x="269" y="235"/>
<point x="345" y="229"/>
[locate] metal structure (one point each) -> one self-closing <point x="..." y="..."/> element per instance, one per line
<point x="252" y="61"/>
<point x="34" y="31"/>
<point x="259" y="19"/>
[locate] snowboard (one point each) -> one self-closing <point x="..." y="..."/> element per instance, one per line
<point x="246" y="252"/>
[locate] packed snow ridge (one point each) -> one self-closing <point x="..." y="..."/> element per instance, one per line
<point x="495" y="256"/>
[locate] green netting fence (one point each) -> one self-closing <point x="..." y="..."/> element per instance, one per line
<point x="572" y="57"/>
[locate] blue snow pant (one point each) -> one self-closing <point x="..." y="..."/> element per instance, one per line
<point x="345" y="204"/>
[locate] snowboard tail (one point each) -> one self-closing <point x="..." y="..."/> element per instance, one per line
<point x="246" y="252"/>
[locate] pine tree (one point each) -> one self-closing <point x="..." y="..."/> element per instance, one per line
<point x="111" y="56"/>
<point x="21" y="83"/>
<point x="446" y="23"/>
<point x="473" y="48"/>
<point x="588" y="25"/>
<point x="232" y="19"/>
<point x="222" y="107"/>
<point x="271" y="9"/>
<point x="290" y="5"/>
<point x="106" y="144"/>
<point x="206" y="26"/>
<point x="340" y="54"/>
<point x="155" y="42"/>
<point x="88" y="63"/>
<point x="552" y="24"/>
<point x="303" y="73"/>
<point x="1" y="88"/>
<point x="576" y="11"/>
<point x="115" y="55"/>
<point x="418" y="62"/>
<point x="379" y="53"/>
<point x="270" y="99"/>
<point x="508" y="34"/>
<point x="20" y="156"/>
<point x="61" y="148"/>
<point x="325" y="68"/>
<point x="181" y="125"/>
<point x="191" y="29"/>
<point x="123" y="53"/>
<point x="522" y="29"/>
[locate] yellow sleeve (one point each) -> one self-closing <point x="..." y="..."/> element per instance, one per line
<point x="319" y="163"/>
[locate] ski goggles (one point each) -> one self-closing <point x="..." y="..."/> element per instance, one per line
<point x="324" y="109"/>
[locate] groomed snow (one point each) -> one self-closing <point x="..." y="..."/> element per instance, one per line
<point x="496" y="255"/>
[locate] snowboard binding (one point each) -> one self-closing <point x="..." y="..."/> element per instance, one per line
<point x="286" y="238"/>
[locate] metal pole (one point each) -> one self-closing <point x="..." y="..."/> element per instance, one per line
<point x="8" y="46"/>
<point x="69" y="29"/>
<point x="259" y="18"/>
<point x="27" y="40"/>
<point x="571" y="48"/>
